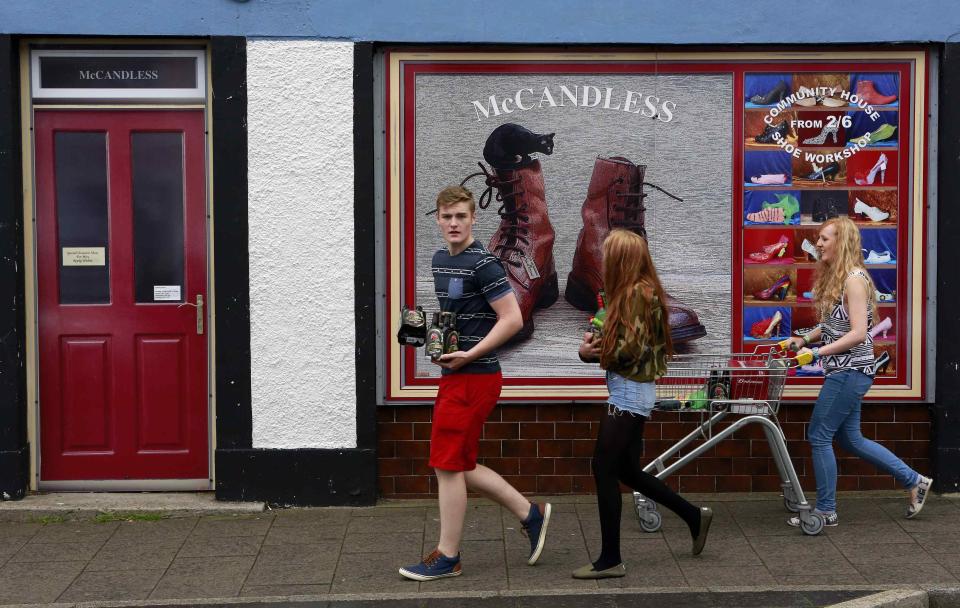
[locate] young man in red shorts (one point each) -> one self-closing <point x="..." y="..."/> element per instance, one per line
<point x="471" y="282"/>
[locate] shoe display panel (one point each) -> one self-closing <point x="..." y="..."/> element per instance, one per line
<point x="566" y="166"/>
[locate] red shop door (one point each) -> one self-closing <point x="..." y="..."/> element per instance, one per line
<point x="121" y="269"/>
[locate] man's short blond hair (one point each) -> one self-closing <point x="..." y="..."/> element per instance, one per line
<point x="451" y="195"/>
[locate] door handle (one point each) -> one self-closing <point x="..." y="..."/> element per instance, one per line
<point x="199" y="307"/>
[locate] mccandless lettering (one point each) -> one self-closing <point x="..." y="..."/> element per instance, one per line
<point x="119" y="74"/>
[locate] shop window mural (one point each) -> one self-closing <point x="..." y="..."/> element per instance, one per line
<point x="726" y="164"/>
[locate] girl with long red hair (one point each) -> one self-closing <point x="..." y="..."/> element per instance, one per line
<point x="633" y="350"/>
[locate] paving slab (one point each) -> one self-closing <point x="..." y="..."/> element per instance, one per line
<point x="116" y="585"/>
<point x="23" y="583"/>
<point x="199" y="577"/>
<point x="122" y="555"/>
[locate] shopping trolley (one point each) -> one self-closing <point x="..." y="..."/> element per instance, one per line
<point x="715" y="387"/>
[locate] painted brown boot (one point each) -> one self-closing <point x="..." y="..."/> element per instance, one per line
<point x="868" y="93"/>
<point x="615" y="200"/>
<point x="524" y="239"/>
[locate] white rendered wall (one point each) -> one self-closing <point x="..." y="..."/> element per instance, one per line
<point x="300" y="126"/>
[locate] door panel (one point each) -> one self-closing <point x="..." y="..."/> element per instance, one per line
<point x="162" y="404"/>
<point x="121" y="252"/>
<point x="85" y="365"/>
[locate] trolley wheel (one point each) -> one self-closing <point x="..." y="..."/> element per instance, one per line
<point x="812" y="524"/>
<point x="650" y="521"/>
<point x="790" y="505"/>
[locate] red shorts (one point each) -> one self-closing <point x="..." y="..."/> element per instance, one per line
<point x="463" y="404"/>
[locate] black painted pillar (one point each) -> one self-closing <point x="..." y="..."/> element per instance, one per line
<point x="228" y="58"/>
<point x="14" y="451"/>
<point x="945" y="440"/>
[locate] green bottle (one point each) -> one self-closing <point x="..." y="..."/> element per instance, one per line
<point x="596" y="322"/>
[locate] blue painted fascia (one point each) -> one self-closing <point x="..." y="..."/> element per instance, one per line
<point x="499" y="21"/>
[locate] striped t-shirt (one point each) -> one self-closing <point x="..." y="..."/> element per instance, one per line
<point x="837" y="324"/>
<point x="466" y="283"/>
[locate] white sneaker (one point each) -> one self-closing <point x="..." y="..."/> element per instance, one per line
<point x="830" y="520"/>
<point x="878" y="258"/>
<point x="918" y="495"/>
<point x="810" y="248"/>
<point x="874" y="213"/>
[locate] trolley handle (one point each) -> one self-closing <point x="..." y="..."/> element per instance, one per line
<point x="801" y="359"/>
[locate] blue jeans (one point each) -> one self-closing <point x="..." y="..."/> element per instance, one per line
<point x="837" y="414"/>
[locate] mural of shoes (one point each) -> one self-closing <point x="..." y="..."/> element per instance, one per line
<point x="524" y="239"/>
<point x="769" y="179"/>
<point x="874" y="213"/>
<point x="768" y="327"/>
<point x="824" y="173"/>
<point x="874" y="257"/>
<point x="883" y="132"/>
<point x="777" y="291"/>
<point x="824" y="209"/>
<point x="881" y="363"/>
<point x="773" y="250"/>
<point x="774" y="95"/>
<point x="768" y="136"/>
<point x="868" y="93"/>
<point x="615" y="200"/>
<point x="868" y="178"/>
<point x="882" y="328"/>
<point x="767" y="216"/>
<point x="832" y="102"/>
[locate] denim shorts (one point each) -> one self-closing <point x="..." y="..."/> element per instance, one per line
<point x="630" y="396"/>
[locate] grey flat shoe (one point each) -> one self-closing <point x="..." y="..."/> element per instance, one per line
<point x="706" y="516"/>
<point x="588" y="572"/>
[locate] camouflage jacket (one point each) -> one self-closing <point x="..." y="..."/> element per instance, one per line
<point x="642" y="355"/>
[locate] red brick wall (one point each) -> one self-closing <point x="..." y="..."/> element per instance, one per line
<point x="546" y="449"/>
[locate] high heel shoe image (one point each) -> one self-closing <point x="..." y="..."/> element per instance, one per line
<point x="810" y="250"/>
<point x="874" y="213"/>
<point x="823" y="173"/>
<point x="774" y="250"/>
<point x="868" y="179"/>
<point x="775" y="95"/>
<point x="880" y="363"/>
<point x="830" y="129"/>
<point x="777" y="291"/>
<point x="767" y="137"/>
<point x="882" y="328"/>
<point x="765" y="328"/>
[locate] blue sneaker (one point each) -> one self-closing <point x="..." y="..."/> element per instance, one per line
<point x="434" y="566"/>
<point x="535" y="528"/>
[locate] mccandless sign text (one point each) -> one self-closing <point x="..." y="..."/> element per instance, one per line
<point x="118" y="72"/>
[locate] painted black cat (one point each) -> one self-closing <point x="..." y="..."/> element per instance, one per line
<point x="509" y="146"/>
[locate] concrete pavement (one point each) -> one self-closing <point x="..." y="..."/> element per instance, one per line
<point x="335" y="554"/>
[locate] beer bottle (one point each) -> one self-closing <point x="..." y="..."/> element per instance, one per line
<point x="451" y="337"/>
<point x="434" y="346"/>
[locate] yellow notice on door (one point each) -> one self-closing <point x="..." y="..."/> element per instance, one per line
<point x="84" y="256"/>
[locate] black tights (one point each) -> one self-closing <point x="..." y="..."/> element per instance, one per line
<point x="616" y="458"/>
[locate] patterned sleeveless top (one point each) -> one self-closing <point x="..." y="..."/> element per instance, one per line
<point x="860" y="357"/>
